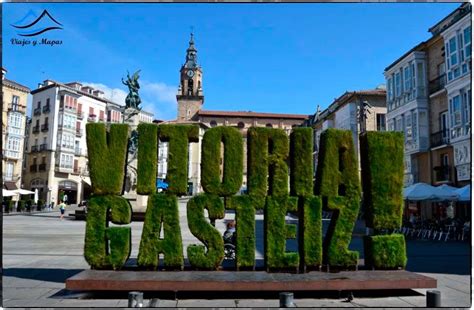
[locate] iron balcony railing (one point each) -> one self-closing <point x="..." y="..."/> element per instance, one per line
<point x="44" y="127"/>
<point x="36" y="129"/>
<point x="46" y="109"/>
<point x="440" y="138"/>
<point x="437" y="84"/>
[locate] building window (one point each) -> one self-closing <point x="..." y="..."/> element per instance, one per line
<point x="453" y="57"/>
<point x="380" y="122"/>
<point x="456" y="111"/>
<point x="408" y="129"/>
<point x="408" y="78"/>
<point x="15" y="103"/>
<point x="269" y="125"/>
<point x="390" y="88"/>
<point x="398" y="89"/>
<point x="213" y="123"/>
<point x="467" y="42"/>
<point x="241" y="125"/>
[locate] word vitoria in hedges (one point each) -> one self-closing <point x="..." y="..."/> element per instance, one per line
<point x="273" y="157"/>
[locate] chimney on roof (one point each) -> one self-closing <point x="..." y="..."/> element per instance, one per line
<point x="47" y="82"/>
<point x="87" y="89"/>
<point x="98" y="93"/>
<point x="75" y="85"/>
<point x="4" y="72"/>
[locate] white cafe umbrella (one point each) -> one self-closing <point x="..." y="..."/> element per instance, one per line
<point x="35" y="199"/>
<point x="464" y="193"/>
<point x="22" y="191"/>
<point x="446" y="192"/>
<point x="8" y="193"/>
<point x="419" y="191"/>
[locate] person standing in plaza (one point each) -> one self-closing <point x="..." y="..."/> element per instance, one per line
<point x="62" y="209"/>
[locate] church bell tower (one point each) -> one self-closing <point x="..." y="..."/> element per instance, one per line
<point x="190" y="96"/>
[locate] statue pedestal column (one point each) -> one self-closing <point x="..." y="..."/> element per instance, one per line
<point x="138" y="202"/>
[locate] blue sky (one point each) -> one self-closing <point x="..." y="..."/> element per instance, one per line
<point x="284" y="58"/>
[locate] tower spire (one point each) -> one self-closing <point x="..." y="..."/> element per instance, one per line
<point x="191" y="52"/>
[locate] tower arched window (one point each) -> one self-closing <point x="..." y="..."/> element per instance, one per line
<point x="269" y="125"/>
<point x="213" y="123"/>
<point x="190" y="87"/>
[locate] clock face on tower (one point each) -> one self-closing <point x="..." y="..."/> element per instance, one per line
<point x="190" y="73"/>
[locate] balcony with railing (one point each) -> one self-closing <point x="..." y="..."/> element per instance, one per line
<point x="91" y="118"/>
<point x="36" y="129"/>
<point x="80" y="115"/>
<point x="33" y="168"/>
<point x="46" y="109"/>
<point x="79" y="132"/>
<point x="64" y="168"/>
<point x="437" y="84"/>
<point x="11" y="177"/>
<point x="442" y="174"/>
<point x="42" y="167"/>
<point x="439" y="138"/>
<point x="15" y="107"/>
<point x="44" y="127"/>
<point x="37" y="111"/>
<point x="43" y="147"/>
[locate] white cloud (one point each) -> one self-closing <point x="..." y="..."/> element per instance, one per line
<point x="116" y="95"/>
<point x="157" y="98"/>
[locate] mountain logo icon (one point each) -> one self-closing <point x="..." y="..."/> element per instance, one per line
<point x="45" y="22"/>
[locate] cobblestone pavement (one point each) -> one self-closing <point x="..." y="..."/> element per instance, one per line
<point x="40" y="252"/>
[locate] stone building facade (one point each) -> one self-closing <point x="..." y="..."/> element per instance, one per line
<point x="357" y="111"/>
<point x="14" y="108"/>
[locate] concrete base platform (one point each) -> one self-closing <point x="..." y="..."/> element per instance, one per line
<point x="105" y="280"/>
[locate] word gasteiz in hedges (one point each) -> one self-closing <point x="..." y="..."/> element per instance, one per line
<point x="272" y="158"/>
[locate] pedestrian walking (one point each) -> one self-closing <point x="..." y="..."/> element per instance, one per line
<point x="62" y="208"/>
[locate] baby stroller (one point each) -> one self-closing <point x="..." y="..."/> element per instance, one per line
<point x="229" y="241"/>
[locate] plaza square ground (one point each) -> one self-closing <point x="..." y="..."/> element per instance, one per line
<point x="40" y="252"/>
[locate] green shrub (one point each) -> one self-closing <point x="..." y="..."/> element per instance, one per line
<point x="277" y="231"/>
<point x="267" y="168"/>
<point x="382" y="178"/>
<point x="178" y="137"/>
<point x="233" y="161"/>
<point x="107" y="152"/>
<point x="301" y="161"/>
<point x="205" y="232"/>
<point x="147" y="158"/>
<point x="310" y="231"/>
<point x="244" y="207"/>
<point x="40" y="204"/>
<point x="162" y="209"/>
<point x="385" y="251"/>
<point x="337" y="181"/>
<point x="100" y="238"/>
<point x="10" y="206"/>
<point x="21" y="205"/>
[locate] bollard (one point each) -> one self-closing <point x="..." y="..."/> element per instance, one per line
<point x="286" y="300"/>
<point x="135" y="299"/>
<point x="433" y="299"/>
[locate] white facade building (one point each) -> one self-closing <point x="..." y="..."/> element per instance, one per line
<point x="57" y="154"/>
<point x="458" y="50"/>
